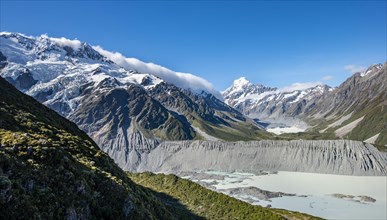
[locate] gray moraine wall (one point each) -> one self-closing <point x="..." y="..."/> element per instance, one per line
<point x="342" y="157"/>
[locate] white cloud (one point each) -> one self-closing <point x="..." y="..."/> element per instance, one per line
<point x="299" y="86"/>
<point x="354" y="69"/>
<point x="327" y="78"/>
<point x="75" y="44"/>
<point x="183" y="80"/>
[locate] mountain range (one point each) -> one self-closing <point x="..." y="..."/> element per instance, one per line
<point x="356" y="109"/>
<point x="117" y="107"/>
<point x="122" y="108"/>
<point x="272" y="105"/>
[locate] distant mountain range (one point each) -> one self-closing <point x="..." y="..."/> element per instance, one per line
<point x="354" y="110"/>
<point x="275" y="106"/>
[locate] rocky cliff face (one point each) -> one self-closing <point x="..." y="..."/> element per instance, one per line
<point x="333" y="157"/>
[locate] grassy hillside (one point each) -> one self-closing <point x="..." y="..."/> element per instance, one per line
<point x="206" y="203"/>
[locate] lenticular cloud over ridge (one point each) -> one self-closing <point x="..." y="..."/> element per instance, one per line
<point x="75" y="44"/>
<point x="183" y="80"/>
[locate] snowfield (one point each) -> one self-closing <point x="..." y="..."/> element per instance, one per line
<point x="282" y="130"/>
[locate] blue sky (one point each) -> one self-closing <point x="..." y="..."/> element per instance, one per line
<point x="274" y="43"/>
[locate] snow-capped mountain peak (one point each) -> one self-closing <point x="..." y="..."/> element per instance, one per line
<point x="57" y="70"/>
<point x="266" y="103"/>
<point x="21" y="49"/>
<point x="373" y="68"/>
<point x="242" y="88"/>
<point x="243" y="84"/>
<point x="239" y="83"/>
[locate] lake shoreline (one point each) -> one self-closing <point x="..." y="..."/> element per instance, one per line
<point x="324" y="195"/>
